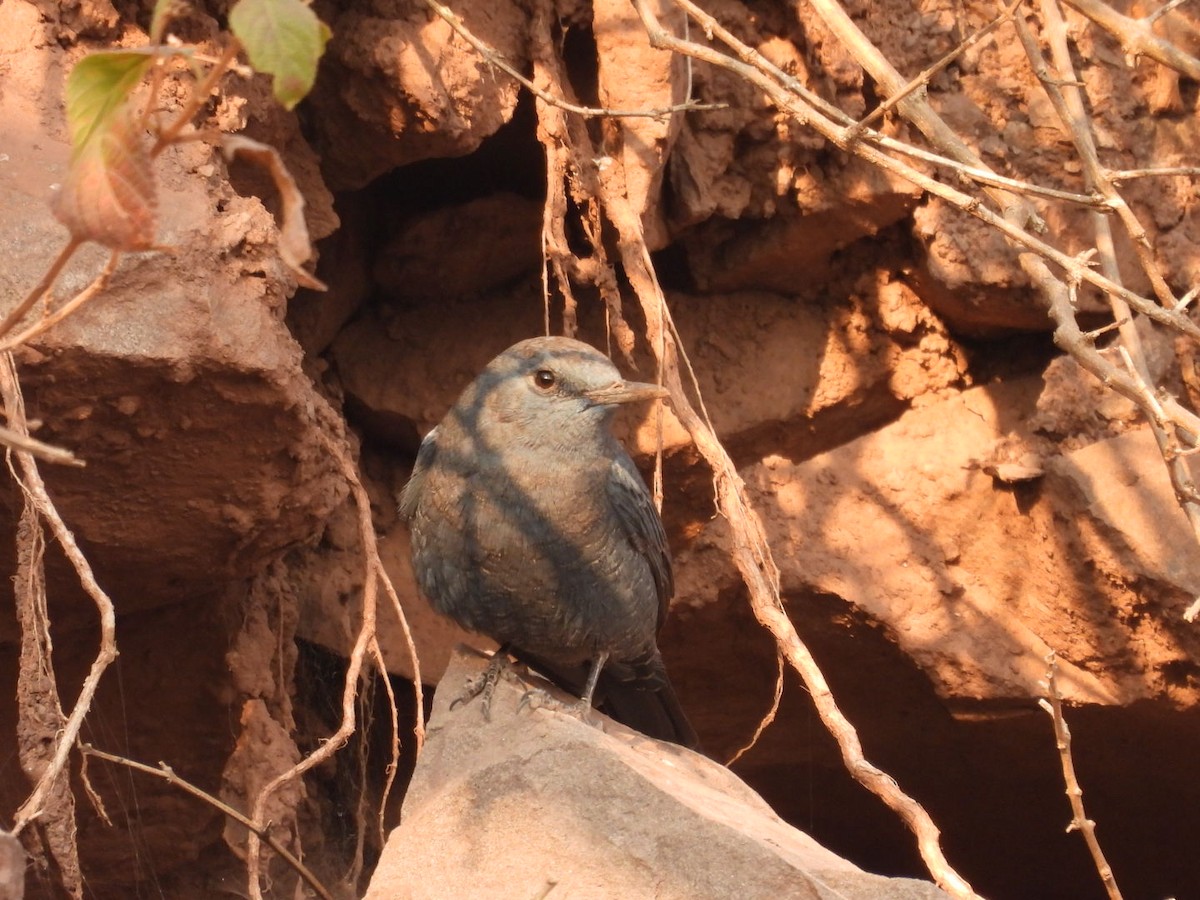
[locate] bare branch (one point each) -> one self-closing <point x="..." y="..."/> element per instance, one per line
<point x="167" y="774"/>
<point x="1017" y="212"/>
<point x="99" y="283"/>
<point x="1119" y="175"/>
<point x="1070" y="108"/>
<point x="1068" y="104"/>
<point x="767" y="719"/>
<point x="1137" y="36"/>
<point x="1079" y="820"/>
<point x="923" y="79"/>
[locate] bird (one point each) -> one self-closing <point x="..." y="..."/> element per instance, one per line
<point x="530" y="524"/>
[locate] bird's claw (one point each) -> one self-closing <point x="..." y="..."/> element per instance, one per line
<point x="484" y="685"/>
<point x="536" y="698"/>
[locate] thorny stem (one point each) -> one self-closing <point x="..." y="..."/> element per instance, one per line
<point x="1079" y="820"/>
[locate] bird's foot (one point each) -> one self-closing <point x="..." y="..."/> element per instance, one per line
<point x="485" y="685"/>
<point x="536" y="698"/>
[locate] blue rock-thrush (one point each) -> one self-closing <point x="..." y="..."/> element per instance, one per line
<point x="530" y="524"/>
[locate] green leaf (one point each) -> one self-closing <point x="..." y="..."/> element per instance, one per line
<point x="97" y="89"/>
<point x="284" y="39"/>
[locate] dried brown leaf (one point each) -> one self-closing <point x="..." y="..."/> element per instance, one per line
<point x="295" y="248"/>
<point x="109" y="195"/>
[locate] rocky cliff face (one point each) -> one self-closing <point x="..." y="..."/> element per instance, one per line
<point x="949" y="499"/>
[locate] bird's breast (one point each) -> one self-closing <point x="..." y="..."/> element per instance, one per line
<point x="532" y="554"/>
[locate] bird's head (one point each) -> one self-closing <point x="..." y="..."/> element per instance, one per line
<point x="550" y="391"/>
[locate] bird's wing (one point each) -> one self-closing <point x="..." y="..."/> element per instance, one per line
<point x="635" y="510"/>
<point x="411" y="495"/>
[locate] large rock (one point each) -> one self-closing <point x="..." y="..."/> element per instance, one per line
<point x="398" y="85"/>
<point x="537" y="800"/>
<point x="976" y="568"/>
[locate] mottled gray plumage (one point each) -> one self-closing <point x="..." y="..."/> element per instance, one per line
<point x="530" y="524"/>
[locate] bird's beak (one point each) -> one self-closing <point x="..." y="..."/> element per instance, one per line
<point x="627" y="392"/>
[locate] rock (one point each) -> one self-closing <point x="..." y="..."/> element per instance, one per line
<point x="1124" y="486"/>
<point x="398" y="85"/>
<point x="428" y="260"/>
<point x="537" y="800"/>
<point x="976" y="581"/>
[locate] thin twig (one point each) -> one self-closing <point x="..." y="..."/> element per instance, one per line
<point x="769" y="717"/>
<point x="495" y="59"/>
<point x="99" y="283"/>
<point x="1079" y="820"/>
<point x="17" y="441"/>
<point x="1153" y="17"/>
<point x="923" y="79"/>
<point x="394" y="762"/>
<point x="373" y="575"/>
<point x="198" y="97"/>
<point x="1119" y="175"/>
<point x="51" y="275"/>
<point x="169" y="775"/>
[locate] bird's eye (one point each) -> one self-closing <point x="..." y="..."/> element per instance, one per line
<point x="544" y="379"/>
